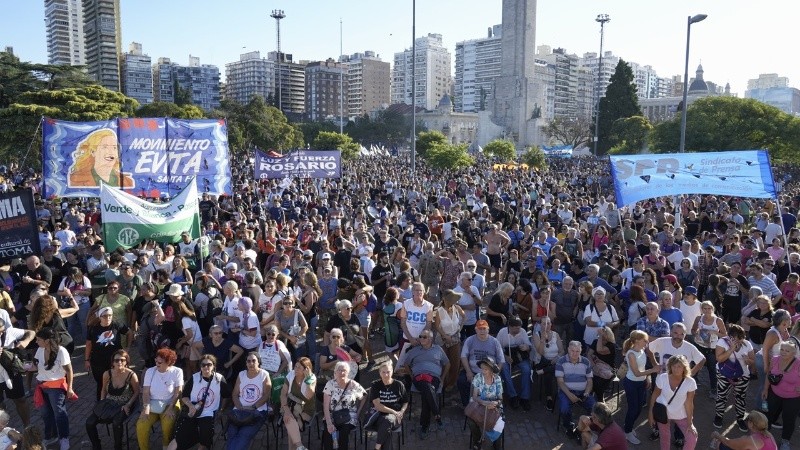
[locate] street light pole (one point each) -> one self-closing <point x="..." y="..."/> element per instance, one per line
<point x="603" y="19"/>
<point x="278" y="14"/>
<point x="413" y="86"/>
<point x="689" y="22"/>
<point x="341" y="81"/>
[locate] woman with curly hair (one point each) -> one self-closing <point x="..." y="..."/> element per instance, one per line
<point x="46" y="313"/>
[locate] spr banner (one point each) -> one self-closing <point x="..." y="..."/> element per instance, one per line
<point x="743" y="173"/>
<point x="145" y="157"/>
<point x="18" y="230"/>
<point x="300" y="164"/>
<point x="127" y="219"/>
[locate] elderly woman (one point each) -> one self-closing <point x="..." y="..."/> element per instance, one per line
<point x="226" y="352"/>
<point x="602" y="351"/>
<point x="349" y="325"/>
<point x="675" y="390"/>
<point x="247" y="325"/>
<point x="598" y="314"/>
<point x="448" y="321"/>
<point x="250" y="395"/>
<point x="104" y="338"/>
<point x="162" y="387"/>
<point x="55" y="375"/>
<point x="205" y="393"/>
<point x="758" y="436"/>
<point x="297" y="401"/>
<point x="501" y="307"/>
<point x="120" y="386"/>
<point x="227" y="319"/>
<point x="389" y="403"/>
<point x="275" y="357"/>
<point x="292" y="326"/>
<point x="782" y="392"/>
<point x="487" y="390"/>
<point x="334" y="352"/>
<point x="735" y="356"/>
<point x="342" y="401"/>
<point x="547" y="348"/>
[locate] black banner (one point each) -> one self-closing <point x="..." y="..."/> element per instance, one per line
<point x="19" y="236"/>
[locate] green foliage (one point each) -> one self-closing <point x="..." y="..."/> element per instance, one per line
<point x="312" y="129"/>
<point x="449" y="156"/>
<point x="258" y="125"/>
<point x="168" y="109"/>
<point x="576" y="131"/>
<point x="182" y="96"/>
<point x="429" y="139"/>
<point x="534" y="157"/>
<point x="389" y="128"/>
<point x="501" y="149"/>
<point x="328" y="140"/>
<point x="17" y="77"/>
<point x="630" y="134"/>
<point x="730" y="123"/>
<point x="619" y="102"/>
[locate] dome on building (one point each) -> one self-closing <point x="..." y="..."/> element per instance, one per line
<point x="698" y="85"/>
<point x="445" y="104"/>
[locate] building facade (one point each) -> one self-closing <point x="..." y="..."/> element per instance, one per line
<point x="103" y="41"/>
<point x="251" y="76"/>
<point x="290" y="83"/>
<point x="368" y="83"/>
<point x="477" y="66"/>
<point x="201" y="82"/>
<point x="326" y="90"/>
<point x="137" y="75"/>
<point x="64" y="26"/>
<point x="433" y="76"/>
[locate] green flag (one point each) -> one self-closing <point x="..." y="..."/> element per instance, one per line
<point x="127" y="219"/>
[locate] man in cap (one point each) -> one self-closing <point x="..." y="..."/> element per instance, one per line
<point x="475" y="348"/>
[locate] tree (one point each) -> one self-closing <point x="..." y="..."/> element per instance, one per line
<point x="449" y="156"/>
<point x="182" y="96"/>
<point x="17" y="77"/>
<point x="534" y="157"/>
<point x="501" y="149"/>
<point x="429" y="139"/>
<point x="630" y="134"/>
<point x="576" y="131"/>
<point x="619" y="102"/>
<point x="167" y="109"/>
<point x="331" y="140"/>
<point x="312" y="129"/>
<point x="258" y="125"/>
<point x="730" y="123"/>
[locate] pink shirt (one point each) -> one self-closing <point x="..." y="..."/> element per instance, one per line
<point x="790" y="383"/>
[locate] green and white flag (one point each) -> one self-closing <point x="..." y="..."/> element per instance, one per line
<point x="127" y="219"/>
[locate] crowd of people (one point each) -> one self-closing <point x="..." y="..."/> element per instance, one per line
<point x="478" y="283"/>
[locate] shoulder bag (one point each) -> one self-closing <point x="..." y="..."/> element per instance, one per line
<point x="202" y="403"/>
<point x="660" y="409"/>
<point x="341" y="417"/>
<point x="731" y="370"/>
<point x="481" y="415"/>
<point x="775" y="378"/>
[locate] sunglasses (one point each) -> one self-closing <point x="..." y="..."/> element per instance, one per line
<point x="120" y="360"/>
<point x="208" y="364"/>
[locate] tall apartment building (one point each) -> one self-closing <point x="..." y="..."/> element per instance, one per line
<point x="590" y="61"/>
<point x="201" y="81"/>
<point x="774" y="90"/>
<point x="433" y="78"/>
<point x="137" y="75"/>
<point x="290" y="82"/>
<point x="477" y="66"/>
<point x="103" y="41"/>
<point x="251" y="76"/>
<point x="368" y="83"/>
<point x="326" y="90"/>
<point x="64" y="25"/>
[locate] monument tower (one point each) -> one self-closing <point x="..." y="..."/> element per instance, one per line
<point x="515" y="91"/>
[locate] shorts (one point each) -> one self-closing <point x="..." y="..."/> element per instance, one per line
<point x="496" y="261"/>
<point x="364" y="317"/>
<point x="16" y="392"/>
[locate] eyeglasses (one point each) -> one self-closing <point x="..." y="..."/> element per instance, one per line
<point x="425" y="337"/>
<point x="208" y="364"/>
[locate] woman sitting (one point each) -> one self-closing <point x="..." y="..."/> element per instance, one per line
<point x="275" y="357"/>
<point x="162" y="386"/>
<point x="297" y="401"/>
<point x="120" y="386"/>
<point x="342" y="401"/>
<point x="250" y="396"/>
<point x="205" y="393"/>
<point x="334" y="352"/>
<point x="487" y="390"/>
<point x="389" y="403"/>
<point x="223" y="348"/>
<point x="547" y="348"/>
<point x="292" y="325"/>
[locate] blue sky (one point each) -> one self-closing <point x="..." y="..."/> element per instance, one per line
<point x="738" y="41"/>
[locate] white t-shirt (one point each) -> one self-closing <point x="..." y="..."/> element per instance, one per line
<point x="246" y="341"/>
<point x="163" y="384"/>
<point x="676" y="409"/>
<point x="466" y="300"/>
<point x="251" y="389"/>
<point x="591" y="312"/>
<point x="690" y="313"/>
<point x="740" y="356"/>
<point x="229" y="308"/>
<point x="664" y="348"/>
<point x="271" y="355"/>
<point x="188" y="324"/>
<point x="417" y="316"/>
<point x="57" y="371"/>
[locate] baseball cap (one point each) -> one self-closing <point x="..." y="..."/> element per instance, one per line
<point x="481" y="324"/>
<point x="326" y="256"/>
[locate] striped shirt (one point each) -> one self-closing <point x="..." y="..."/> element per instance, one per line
<point x="575" y="375"/>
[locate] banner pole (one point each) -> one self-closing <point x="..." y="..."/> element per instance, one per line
<point x="33" y="139"/>
<point x="784" y="238"/>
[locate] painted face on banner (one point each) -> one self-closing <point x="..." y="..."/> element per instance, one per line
<point x="106" y="154"/>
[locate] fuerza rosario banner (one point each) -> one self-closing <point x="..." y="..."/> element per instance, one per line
<point x="299" y="164"/>
<point x="18" y="230"/>
<point x="741" y="173"/>
<point x="145" y="157"/>
<point x="127" y="219"/>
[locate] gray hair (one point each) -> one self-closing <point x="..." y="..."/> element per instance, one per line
<point x="575" y="344"/>
<point x="340" y="365"/>
<point x="779" y="316"/>
<point x="4" y="418"/>
<point x="603" y="413"/>
<point x="678" y="325"/>
<point x="465" y="275"/>
<point x="593" y="266"/>
<point x="271" y="327"/>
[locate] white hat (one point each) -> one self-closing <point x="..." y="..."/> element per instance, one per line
<point x="326" y="256"/>
<point x="175" y="290"/>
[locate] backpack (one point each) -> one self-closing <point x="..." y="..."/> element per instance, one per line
<point x="391" y="324"/>
<point x="11" y="361"/>
<point x="213" y="306"/>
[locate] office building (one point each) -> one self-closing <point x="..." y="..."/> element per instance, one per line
<point x="103" y="41"/>
<point x="326" y="91"/>
<point x="433" y="78"/>
<point x="477" y="66"/>
<point x="64" y="26"/>
<point x="251" y="76"/>
<point x="368" y="83"/>
<point x="137" y="75"/>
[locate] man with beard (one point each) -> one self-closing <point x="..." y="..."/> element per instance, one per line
<point x="382" y="275"/>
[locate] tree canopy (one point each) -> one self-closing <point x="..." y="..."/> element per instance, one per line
<point x="534" y="157"/>
<point x="449" y="156"/>
<point x="429" y="139"/>
<point x="619" y="102"/>
<point x="501" y="149"/>
<point x="576" y="132"/>
<point x="168" y="109"/>
<point x="258" y="125"/>
<point x="331" y="140"/>
<point x="630" y="134"/>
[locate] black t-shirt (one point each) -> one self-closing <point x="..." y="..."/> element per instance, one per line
<point x="393" y="396"/>
<point x="350" y="329"/>
<point x="757" y="334"/>
<point x="496" y="305"/>
<point x="342" y="261"/>
<point x="610" y="357"/>
<point x="105" y="341"/>
<point x="379" y="272"/>
<point x="387" y="246"/>
<point x="222" y="352"/>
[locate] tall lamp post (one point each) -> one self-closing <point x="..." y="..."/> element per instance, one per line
<point x="690" y="21"/>
<point x="413" y="86"/>
<point x="278" y="14"/>
<point x="603" y="19"/>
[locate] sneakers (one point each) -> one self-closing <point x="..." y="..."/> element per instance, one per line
<point x="631" y="437"/>
<point x="654" y="435"/>
<point x="549" y="404"/>
<point x="785" y="445"/>
<point x="777" y="424"/>
<point x="64" y="444"/>
<point x="718" y="422"/>
<point x="50" y="441"/>
<point x="742" y="425"/>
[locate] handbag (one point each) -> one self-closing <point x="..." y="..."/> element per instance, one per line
<point x="485" y="418"/>
<point x="243" y="417"/>
<point x="731" y="370"/>
<point x="660" y="409"/>
<point x="602" y="369"/>
<point x="622" y="370"/>
<point x="775" y="378"/>
<point x="156" y="406"/>
<point x="341" y="417"/>
<point x="106" y="409"/>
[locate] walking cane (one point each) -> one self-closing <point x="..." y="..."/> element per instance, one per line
<point x="483" y="430"/>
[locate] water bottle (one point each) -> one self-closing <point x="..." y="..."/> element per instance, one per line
<point x="335" y="438"/>
<point x="764" y="406"/>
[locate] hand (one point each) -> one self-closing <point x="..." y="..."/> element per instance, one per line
<point x="88" y="365"/>
<point x="716" y="435"/>
<point x="572" y="398"/>
<point x="692" y="429"/>
<point x="144" y="414"/>
<point x="650" y="420"/>
<point x="331" y="428"/>
<point x="470" y="376"/>
<point x="764" y="393"/>
<point x="170" y="413"/>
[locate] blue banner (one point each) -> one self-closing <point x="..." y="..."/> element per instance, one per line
<point x="558" y="151"/>
<point x="145" y="157"/>
<point x="300" y="164"/>
<point x="743" y="173"/>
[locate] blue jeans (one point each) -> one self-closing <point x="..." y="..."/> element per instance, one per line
<point x="76" y="325"/>
<point x="239" y="438"/>
<point x="54" y="414"/>
<point x="635" y="393"/>
<point x="762" y="376"/>
<point x="565" y="406"/>
<point x="310" y="347"/>
<point x="525" y="380"/>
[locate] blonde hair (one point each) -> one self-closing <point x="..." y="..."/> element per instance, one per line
<point x="634" y="337"/>
<point x="680" y="359"/>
